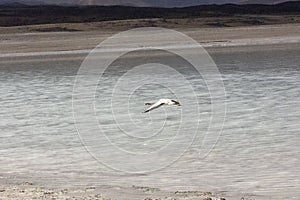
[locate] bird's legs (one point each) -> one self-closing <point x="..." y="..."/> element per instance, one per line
<point x="149" y="104"/>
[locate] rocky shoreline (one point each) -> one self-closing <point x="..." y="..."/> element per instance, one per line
<point x="28" y="191"/>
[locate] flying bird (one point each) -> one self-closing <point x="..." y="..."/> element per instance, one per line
<point x="160" y="103"/>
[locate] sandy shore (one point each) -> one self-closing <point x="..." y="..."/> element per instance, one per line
<point x="15" y="192"/>
<point x="17" y="41"/>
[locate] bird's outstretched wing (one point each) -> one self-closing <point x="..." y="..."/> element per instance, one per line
<point x="154" y="106"/>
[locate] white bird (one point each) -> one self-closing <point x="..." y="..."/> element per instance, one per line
<point x="160" y="103"/>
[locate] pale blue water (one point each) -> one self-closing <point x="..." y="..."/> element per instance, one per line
<point x="257" y="153"/>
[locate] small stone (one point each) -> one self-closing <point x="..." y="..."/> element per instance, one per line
<point x="27" y="183"/>
<point x="207" y="193"/>
<point x="48" y="193"/>
<point x="63" y="191"/>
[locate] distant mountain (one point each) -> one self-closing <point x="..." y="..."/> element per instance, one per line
<point x="19" y="15"/>
<point x="270" y="2"/>
<point x="154" y="3"/>
<point x="22" y="2"/>
<point x="139" y="3"/>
